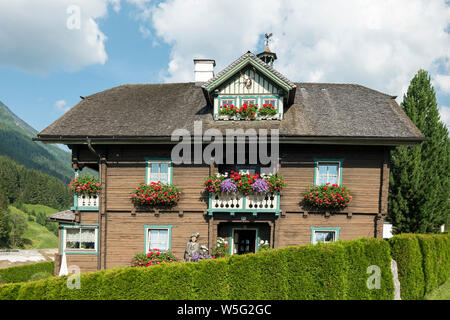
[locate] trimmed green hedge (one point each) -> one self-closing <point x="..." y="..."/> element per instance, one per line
<point x="323" y="271"/>
<point x="423" y="262"/>
<point x="27" y="272"/>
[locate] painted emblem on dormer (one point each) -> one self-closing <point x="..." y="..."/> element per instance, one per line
<point x="248" y="83"/>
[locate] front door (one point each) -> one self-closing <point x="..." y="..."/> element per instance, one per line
<point x="244" y="241"/>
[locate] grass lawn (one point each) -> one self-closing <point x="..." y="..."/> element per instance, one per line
<point x="40" y="236"/>
<point x="441" y="293"/>
<point x="40" y="208"/>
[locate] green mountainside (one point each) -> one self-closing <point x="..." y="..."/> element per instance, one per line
<point x="16" y="143"/>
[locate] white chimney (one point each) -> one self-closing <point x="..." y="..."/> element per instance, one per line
<point x="203" y="69"/>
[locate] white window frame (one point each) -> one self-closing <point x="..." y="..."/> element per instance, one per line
<point x="335" y="232"/>
<point x="325" y="162"/>
<point x="223" y="102"/>
<point x="169" y="170"/>
<point x="80" y="250"/>
<point x="148" y="239"/>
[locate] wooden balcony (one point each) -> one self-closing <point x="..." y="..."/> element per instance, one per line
<point x="85" y="203"/>
<point x="238" y="202"/>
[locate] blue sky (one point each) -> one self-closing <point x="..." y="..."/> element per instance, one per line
<point x="45" y="68"/>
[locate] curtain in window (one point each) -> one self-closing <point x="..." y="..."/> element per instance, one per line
<point x="159" y="239"/>
<point x="328" y="173"/>
<point x="72" y="234"/>
<point x="159" y="172"/>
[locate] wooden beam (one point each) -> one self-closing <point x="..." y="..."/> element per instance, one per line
<point x="384" y="193"/>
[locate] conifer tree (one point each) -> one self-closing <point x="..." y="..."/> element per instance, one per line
<point x="419" y="180"/>
<point x="4" y="220"/>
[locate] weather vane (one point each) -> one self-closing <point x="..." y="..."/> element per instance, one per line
<point x="267" y="36"/>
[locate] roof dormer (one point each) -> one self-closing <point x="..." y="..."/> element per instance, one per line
<point x="249" y="89"/>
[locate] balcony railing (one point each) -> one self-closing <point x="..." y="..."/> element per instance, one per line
<point x="85" y="202"/>
<point x="238" y="202"/>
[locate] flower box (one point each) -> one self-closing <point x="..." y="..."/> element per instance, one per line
<point x="156" y="194"/>
<point x="327" y="197"/>
<point x="86" y="185"/>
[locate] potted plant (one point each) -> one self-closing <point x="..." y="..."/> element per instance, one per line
<point x="156" y="194"/>
<point x="247" y="111"/>
<point x="327" y="197"/>
<point x="85" y="184"/>
<point x="153" y="257"/>
<point x="227" y="112"/>
<point x="267" y="112"/>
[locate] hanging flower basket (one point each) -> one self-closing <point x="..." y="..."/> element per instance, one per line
<point x="327" y="197"/>
<point x="156" y="194"/>
<point x="86" y="185"/>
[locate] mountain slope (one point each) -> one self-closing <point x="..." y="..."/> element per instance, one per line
<point x="16" y="143"/>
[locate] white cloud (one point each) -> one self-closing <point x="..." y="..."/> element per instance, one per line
<point x="34" y="36"/>
<point x="61" y="105"/>
<point x="445" y="115"/>
<point x="380" y="44"/>
<point x="443" y="82"/>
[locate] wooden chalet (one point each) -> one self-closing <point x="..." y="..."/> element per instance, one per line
<point x="328" y="132"/>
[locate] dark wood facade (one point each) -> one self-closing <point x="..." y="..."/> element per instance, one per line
<point x="122" y="167"/>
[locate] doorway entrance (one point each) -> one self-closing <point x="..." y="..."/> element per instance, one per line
<point x="244" y="241"/>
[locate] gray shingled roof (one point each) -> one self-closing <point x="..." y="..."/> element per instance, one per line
<point x="156" y="110"/>
<point x="63" y="216"/>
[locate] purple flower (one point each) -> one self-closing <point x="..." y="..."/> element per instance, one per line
<point x="260" y="185"/>
<point x="227" y="186"/>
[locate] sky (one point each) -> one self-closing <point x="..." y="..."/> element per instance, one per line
<point x="54" y="51"/>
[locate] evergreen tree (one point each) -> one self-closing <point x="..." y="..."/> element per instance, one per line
<point x="419" y="180"/>
<point x="4" y="220"/>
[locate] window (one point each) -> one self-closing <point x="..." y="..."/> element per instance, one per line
<point x="271" y="101"/>
<point x="328" y="172"/>
<point x="159" y="171"/>
<point x="248" y="100"/>
<point x="157" y="237"/>
<point x="324" y="235"/>
<point x="227" y="101"/>
<point x="246" y="169"/>
<point x="80" y="238"/>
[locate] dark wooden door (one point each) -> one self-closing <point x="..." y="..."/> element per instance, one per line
<point x="246" y="241"/>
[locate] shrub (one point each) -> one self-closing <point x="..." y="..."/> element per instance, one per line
<point x="405" y="250"/>
<point x="360" y="255"/>
<point x="322" y="271"/>
<point x="423" y="262"/>
<point x="26" y="272"/>
<point x="310" y="280"/>
<point x="435" y="259"/>
<point x="9" y="291"/>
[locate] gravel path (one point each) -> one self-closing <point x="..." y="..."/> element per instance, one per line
<point x="11" y="257"/>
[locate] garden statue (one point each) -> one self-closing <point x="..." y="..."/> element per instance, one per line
<point x="192" y="247"/>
